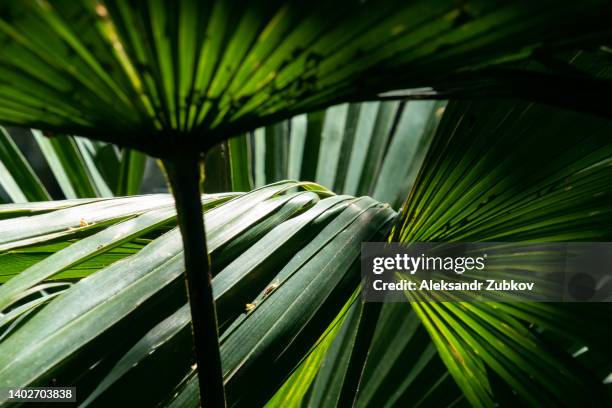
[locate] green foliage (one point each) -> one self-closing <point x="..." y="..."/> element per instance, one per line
<point x="139" y="73"/>
<point x="81" y="168"/>
<point x="304" y="243"/>
<point x="91" y="292"/>
<point x="16" y="176"/>
<point x="513" y="171"/>
<point x="370" y="148"/>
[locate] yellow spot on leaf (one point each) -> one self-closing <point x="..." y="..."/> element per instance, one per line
<point x="101" y="10"/>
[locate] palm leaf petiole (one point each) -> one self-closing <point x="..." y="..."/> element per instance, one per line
<point x="184" y="176"/>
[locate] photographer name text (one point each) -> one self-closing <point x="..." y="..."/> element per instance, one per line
<point x="444" y="285"/>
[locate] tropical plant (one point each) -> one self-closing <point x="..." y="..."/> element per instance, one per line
<point x="81" y="168"/>
<point x="472" y="188"/>
<point x="175" y="79"/>
<point x="371" y="148"/>
<point x="253" y="239"/>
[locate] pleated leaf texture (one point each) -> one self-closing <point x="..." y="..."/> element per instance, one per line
<point x="146" y="74"/>
<point x="93" y="293"/>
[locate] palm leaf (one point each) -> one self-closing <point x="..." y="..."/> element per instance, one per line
<point x="259" y="348"/>
<point x="359" y="148"/>
<point x="81" y="168"/>
<point x="129" y="72"/>
<point x="403" y="367"/>
<point x="16" y="175"/>
<point x="294" y="389"/>
<point x="543" y="177"/>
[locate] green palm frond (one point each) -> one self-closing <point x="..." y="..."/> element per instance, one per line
<point x="271" y="236"/>
<point x="80" y="167"/>
<point x="402" y="367"/>
<point x="514" y="171"/>
<point x="137" y="73"/>
<point x="370" y="148"/>
<point x="18" y="179"/>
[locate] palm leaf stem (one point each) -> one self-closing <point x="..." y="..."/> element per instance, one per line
<point x="184" y="176"/>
